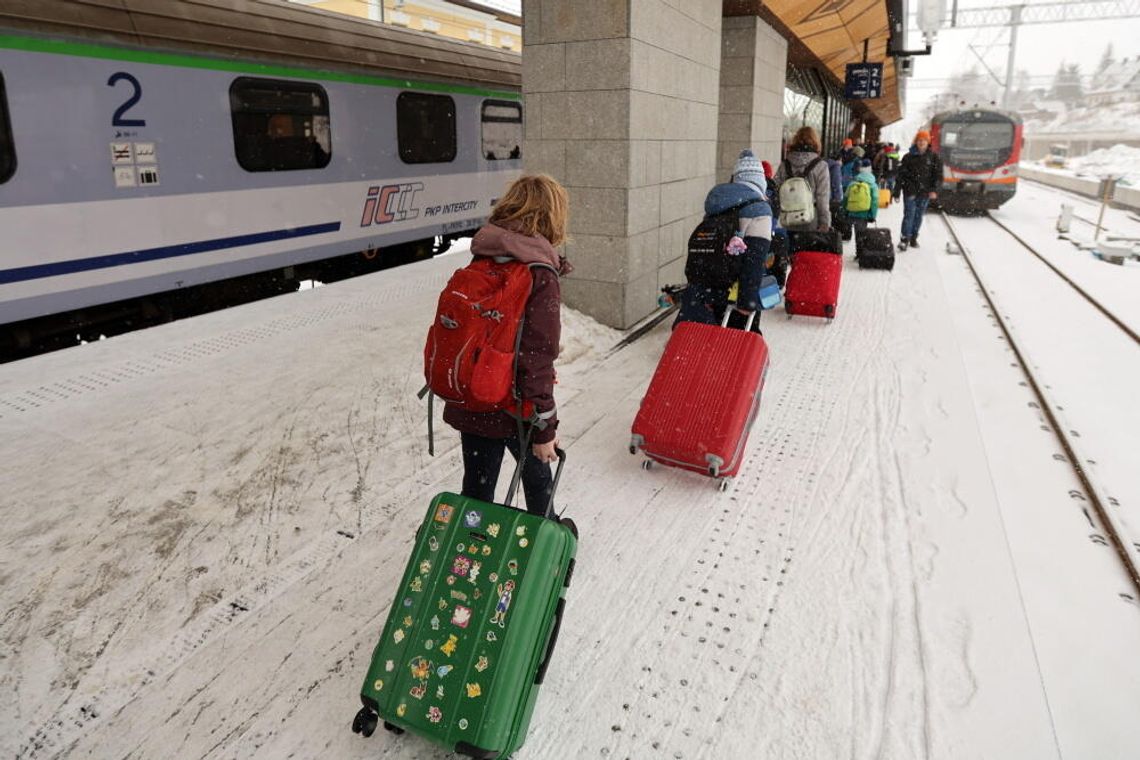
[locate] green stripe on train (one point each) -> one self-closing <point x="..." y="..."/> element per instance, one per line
<point x="85" y="50"/>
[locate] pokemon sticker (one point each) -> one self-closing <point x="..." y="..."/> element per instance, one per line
<point x="448" y="647"/>
<point x="520" y="531"/>
<point x="460" y="566"/>
<point x="408" y="621"/>
<point x="443" y="670"/>
<point x="433" y="543"/>
<point x="462" y="724"/>
<point x="482" y="663"/>
<point x="459" y="596"/>
<point x="506" y="591"/>
<point x="523" y="543"/>
<point x="403" y="708"/>
<point x="461" y="616"/>
<point x="439" y="692"/>
<point x="425" y="567"/>
<point x="417" y="692"/>
<point x="443" y="513"/>
<point x="491" y="637"/>
<point x="474" y="690"/>
<point x="417" y="585"/>
<point x="473" y="519"/>
<point x="398" y="636"/>
<point x="389" y="666"/>
<point x="513" y="566"/>
<point x="434" y="714"/>
<point x="434" y="622"/>
<point x="429" y="644"/>
<point x="473" y="573"/>
<point x="487" y="550"/>
<point x="493" y="530"/>
<point x="379" y="685"/>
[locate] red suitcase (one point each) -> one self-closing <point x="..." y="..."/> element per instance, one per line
<point x="702" y="400"/>
<point x="813" y="285"/>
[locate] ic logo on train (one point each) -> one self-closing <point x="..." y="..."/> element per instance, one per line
<point x="390" y="203"/>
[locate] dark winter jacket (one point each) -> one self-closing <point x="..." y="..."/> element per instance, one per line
<point x="756" y="227"/>
<point x="919" y="173"/>
<point x="538" y="345"/>
<point x="835" y="169"/>
<point x="819" y="180"/>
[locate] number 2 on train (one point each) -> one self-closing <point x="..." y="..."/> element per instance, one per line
<point x="117" y="120"/>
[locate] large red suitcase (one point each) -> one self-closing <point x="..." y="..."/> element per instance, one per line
<point x="813" y="285"/>
<point x="702" y="400"/>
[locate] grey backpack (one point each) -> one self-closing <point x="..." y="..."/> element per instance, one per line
<point x="797" y="201"/>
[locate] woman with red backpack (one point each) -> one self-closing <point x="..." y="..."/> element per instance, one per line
<point x="526" y="225"/>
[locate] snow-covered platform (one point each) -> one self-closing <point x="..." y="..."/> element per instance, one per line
<point x="203" y="524"/>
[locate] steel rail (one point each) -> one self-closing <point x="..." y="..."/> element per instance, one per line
<point x="1096" y="304"/>
<point x="1117" y="535"/>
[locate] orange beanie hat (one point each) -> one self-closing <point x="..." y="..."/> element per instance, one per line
<point x="922" y="135"/>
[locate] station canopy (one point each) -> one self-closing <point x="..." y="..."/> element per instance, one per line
<point x="828" y="35"/>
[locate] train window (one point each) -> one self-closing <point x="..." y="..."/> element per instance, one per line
<point x="502" y="130"/>
<point x="280" y="126"/>
<point x="7" y="148"/>
<point x="425" y="128"/>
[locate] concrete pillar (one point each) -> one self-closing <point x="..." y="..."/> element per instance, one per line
<point x="621" y="107"/>
<point x="753" y="65"/>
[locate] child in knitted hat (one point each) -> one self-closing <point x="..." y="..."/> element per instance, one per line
<point x="749" y="169"/>
<point x="705" y="298"/>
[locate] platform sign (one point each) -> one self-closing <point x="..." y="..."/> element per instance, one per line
<point x="864" y="81"/>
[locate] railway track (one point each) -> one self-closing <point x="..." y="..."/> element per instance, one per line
<point x="1125" y="547"/>
<point x="1096" y="304"/>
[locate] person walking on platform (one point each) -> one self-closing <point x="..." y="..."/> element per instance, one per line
<point x="887" y="166"/>
<point x="526" y="225"/>
<point x="920" y="175"/>
<point x="805" y="185"/>
<point x="851" y="167"/>
<point x="740" y="207"/>
<point x="861" y="201"/>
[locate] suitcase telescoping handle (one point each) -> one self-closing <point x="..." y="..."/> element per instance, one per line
<point x="541" y="675"/>
<point x="728" y="313"/>
<point x="517" y="477"/>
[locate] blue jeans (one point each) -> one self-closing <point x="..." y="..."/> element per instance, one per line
<point x="913" y="209"/>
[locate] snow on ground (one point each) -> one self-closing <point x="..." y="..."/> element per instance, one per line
<point x="1119" y="161"/>
<point x="203" y="522"/>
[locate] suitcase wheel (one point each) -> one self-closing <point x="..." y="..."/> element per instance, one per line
<point x="389" y="727"/>
<point x="714" y="470"/>
<point x="647" y="464"/>
<point x="365" y="722"/>
<point x="570" y="524"/>
<point x="632" y="449"/>
<point x="722" y="485"/>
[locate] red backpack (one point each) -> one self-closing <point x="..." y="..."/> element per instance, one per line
<point x="470" y="358"/>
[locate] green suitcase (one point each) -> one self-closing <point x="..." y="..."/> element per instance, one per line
<point x="470" y="633"/>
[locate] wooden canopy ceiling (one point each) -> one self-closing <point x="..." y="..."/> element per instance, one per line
<point x="828" y="35"/>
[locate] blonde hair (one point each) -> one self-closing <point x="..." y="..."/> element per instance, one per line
<point x="534" y="204"/>
<point x="807" y="136"/>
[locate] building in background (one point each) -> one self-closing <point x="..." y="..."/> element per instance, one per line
<point x="459" y="21"/>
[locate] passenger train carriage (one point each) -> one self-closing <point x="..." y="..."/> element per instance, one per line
<point x="980" y="150"/>
<point x="150" y="148"/>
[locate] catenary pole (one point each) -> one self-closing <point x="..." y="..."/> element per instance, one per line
<point x="1014" y="23"/>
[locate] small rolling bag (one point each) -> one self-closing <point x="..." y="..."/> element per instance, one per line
<point x="813" y="285"/>
<point x="884" y="198"/>
<point x="874" y="249"/>
<point x="703" y="399"/>
<point x="472" y="628"/>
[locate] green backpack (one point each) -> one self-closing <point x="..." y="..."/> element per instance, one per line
<point x="859" y="197"/>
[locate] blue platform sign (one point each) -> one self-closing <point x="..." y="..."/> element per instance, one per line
<point x="864" y="81"/>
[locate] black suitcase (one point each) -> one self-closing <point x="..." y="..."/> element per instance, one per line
<point x="874" y="249"/>
<point x="812" y="240"/>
